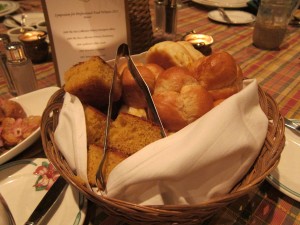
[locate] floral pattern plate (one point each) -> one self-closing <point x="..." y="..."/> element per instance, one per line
<point x="23" y="184"/>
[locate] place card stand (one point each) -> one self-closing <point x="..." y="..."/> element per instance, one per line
<point x="79" y="29"/>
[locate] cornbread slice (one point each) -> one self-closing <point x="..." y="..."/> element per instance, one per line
<point x="94" y="156"/>
<point x="129" y="133"/>
<point x="91" y="80"/>
<point x="95" y="125"/>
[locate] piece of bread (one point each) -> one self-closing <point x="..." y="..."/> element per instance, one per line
<point x="16" y="130"/>
<point x="129" y="134"/>
<point x="179" y="98"/>
<point x="12" y="109"/>
<point x="91" y="80"/>
<point x="132" y="94"/>
<point x="169" y="53"/>
<point x="95" y="125"/>
<point x="94" y="156"/>
<point x="219" y="74"/>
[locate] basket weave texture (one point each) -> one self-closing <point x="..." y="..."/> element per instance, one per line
<point x="141" y="34"/>
<point x="170" y="214"/>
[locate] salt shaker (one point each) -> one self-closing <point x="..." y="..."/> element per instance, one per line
<point x="159" y="17"/>
<point x="271" y="23"/>
<point x="20" y="68"/>
<point x="4" y="40"/>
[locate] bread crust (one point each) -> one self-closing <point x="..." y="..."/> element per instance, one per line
<point x="132" y="95"/>
<point x="91" y="80"/>
<point x="219" y="74"/>
<point x="168" y="54"/>
<point x="179" y="98"/>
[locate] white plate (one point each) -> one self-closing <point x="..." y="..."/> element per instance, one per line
<point x="33" y="103"/>
<point x="31" y="20"/>
<point x="237" y="17"/>
<point x="17" y="180"/>
<point x="286" y="176"/>
<point x="222" y="3"/>
<point x="11" y="7"/>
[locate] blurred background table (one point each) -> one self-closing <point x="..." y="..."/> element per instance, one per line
<point x="277" y="72"/>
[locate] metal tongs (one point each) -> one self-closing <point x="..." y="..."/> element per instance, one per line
<point x="123" y="51"/>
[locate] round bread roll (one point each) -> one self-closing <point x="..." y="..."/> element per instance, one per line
<point x="219" y="74"/>
<point x="179" y="98"/>
<point x="132" y="94"/>
<point x="168" y="54"/>
<point x="156" y="69"/>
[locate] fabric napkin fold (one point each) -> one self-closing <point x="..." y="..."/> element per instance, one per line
<point x="203" y="160"/>
<point x="70" y="135"/>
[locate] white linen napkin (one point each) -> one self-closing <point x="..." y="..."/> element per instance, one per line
<point x="201" y="161"/>
<point x="70" y="135"/>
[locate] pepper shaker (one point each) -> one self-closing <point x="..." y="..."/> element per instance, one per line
<point x="4" y="40"/>
<point x="171" y="19"/>
<point x="20" y="68"/>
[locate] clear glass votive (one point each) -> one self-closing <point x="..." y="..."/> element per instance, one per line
<point x="35" y="45"/>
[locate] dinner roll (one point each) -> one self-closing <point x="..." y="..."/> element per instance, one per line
<point x="179" y="98"/>
<point x="170" y="53"/>
<point x="219" y="74"/>
<point x="132" y="94"/>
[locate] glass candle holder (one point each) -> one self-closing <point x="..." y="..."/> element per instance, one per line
<point x="35" y="45"/>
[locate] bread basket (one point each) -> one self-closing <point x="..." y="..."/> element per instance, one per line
<point x="170" y="214"/>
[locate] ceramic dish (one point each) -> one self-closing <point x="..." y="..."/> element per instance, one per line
<point x="33" y="103"/>
<point x="222" y="3"/>
<point x="286" y="176"/>
<point x="9" y="7"/>
<point x="18" y="187"/>
<point x="31" y="20"/>
<point x="236" y="16"/>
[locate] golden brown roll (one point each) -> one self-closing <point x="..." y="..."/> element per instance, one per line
<point x="9" y="108"/>
<point x="219" y="74"/>
<point x="179" y="98"/>
<point x="169" y="53"/>
<point x="132" y="94"/>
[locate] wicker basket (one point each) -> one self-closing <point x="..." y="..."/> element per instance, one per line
<point x="170" y="214"/>
<point x="141" y="34"/>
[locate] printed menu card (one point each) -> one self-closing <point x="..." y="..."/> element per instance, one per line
<point x="79" y="29"/>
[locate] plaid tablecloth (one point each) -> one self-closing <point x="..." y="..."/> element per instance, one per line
<point x="278" y="73"/>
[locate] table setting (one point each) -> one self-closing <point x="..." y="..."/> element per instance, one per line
<point x="264" y="188"/>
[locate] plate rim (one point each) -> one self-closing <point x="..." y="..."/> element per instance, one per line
<point x="14" y="7"/>
<point x="22" y="146"/>
<point x="209" y="15"/>
<point x="82" y="207"/>
<point x="219" y="4"/>
<point x="283" y="187"/>
<point x="5" y="21"/>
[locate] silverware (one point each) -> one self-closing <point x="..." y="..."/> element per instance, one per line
<point x="123" y="51"/>
<point x="224" y="15"/>
<point x="10" y="218"/>
<point x="13" y="19"/>
<point x="292" y="125"/>
<point x="47" y="201"/>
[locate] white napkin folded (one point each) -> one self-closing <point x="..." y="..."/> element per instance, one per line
<point x="70" y="135"/>
<point x="203" y="160"/>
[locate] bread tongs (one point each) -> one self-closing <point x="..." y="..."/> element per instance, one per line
<point x="123" y="51"/>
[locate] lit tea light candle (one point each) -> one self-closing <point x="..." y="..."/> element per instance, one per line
<point x="201" y="42"/>
<point x="33" y="35"/>
<point x="199" y="39"/>
<point x="35" y="45"/>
